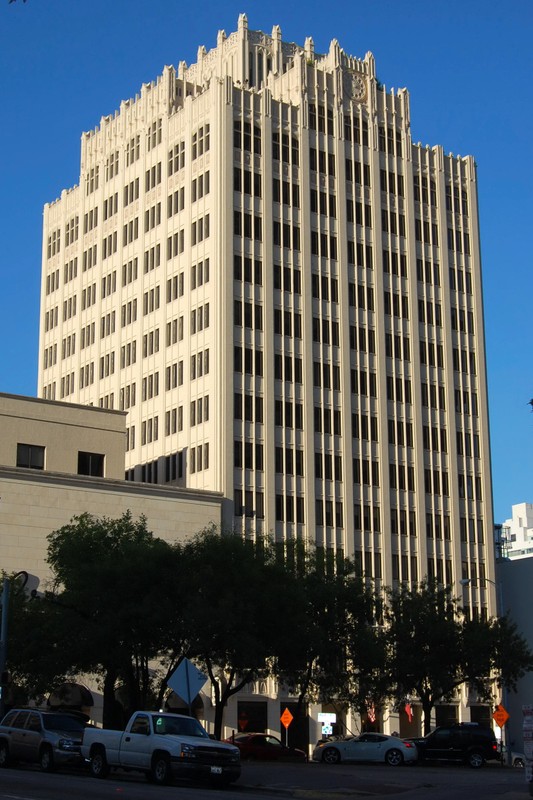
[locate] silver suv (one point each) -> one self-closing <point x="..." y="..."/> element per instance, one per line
<point x="47" y="738"/>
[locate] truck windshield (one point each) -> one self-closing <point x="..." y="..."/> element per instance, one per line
<point x="180" y="726"/>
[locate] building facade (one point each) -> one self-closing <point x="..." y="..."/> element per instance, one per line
<point x="59" y="460"/>
<point x="514" y="538"/>
<point x="283" y="291"/>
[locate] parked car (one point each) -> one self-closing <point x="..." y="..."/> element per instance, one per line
<point x="468" y="742"/>
<point x="377" y="747"/>
<point x="47" y="738"/>
<point x="264" y="747"/>
<point x="162" y="746"/>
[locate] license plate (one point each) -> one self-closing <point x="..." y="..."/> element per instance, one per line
<point x="216" y="770"/>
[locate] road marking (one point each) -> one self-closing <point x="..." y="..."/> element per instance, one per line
<point x="16" y="797"/>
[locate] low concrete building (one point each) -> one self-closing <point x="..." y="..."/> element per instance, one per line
<point x="59" y="460"/>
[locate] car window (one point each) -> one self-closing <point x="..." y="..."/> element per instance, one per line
<point x="20" y="720"/>
<point x="141" y="724"/>
<point x="272" y="741"/>
<point x="443" y="734"/>
<point x="34" y="723"/>
<point x="8" y="719"/>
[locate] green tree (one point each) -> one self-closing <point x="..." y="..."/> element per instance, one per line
<point x="119" y="589"/>
<point x="37" y="639"/>
<point x="367" y="684"/>
<point x="423" y="629"/>
<point x="433" y="648"/>
<point x="234" y="610"/>
<point x="494" y="652"/>
<point x="338" y="652"/>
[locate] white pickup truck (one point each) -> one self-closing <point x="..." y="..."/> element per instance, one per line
<point x="162" y="745"/>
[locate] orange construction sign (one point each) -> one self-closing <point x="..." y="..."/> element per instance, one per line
<point x="286" y="718"/>
<point x="500" y="716"/>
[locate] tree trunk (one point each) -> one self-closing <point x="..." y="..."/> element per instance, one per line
<point x="219" y="716"/>
<point x="427" y="707"/>
<point x="110" y="715"/>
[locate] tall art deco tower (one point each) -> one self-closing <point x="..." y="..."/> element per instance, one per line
<point x="284" y="293"/>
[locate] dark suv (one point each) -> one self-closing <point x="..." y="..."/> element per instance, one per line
<point x="467" y="742"/>
<point x="47" y="738"/>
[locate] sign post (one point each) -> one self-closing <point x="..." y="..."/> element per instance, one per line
<point x="500" y="717"/>
<point x="286" y="719"/>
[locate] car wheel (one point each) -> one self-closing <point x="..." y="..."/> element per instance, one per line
<point x="475" y="760"/>
<point x="99" y="766"/>
<point x="4" y="755"/>
<point x="518" y="762"/>
<point x="160" y="769"/>
<point x="331" y="756"/>
<point x="393" y="757"/>
<point x="46" y="759"/>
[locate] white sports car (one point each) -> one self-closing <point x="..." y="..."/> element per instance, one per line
<point x="368" y="747"/>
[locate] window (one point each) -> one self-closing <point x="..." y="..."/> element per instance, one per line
<point x="30" y="456"/>
<point x="200" y="141"/>
<point x="91" y="464"/>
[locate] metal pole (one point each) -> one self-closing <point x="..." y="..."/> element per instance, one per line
<point x="189" y="699"/>
<point x="3" y="640"/>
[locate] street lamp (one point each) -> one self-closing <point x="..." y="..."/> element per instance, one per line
<point x="499" y="613"/>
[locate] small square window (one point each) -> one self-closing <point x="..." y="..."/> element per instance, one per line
<point x="30" y="455"/>
<point x="91" y="464"/>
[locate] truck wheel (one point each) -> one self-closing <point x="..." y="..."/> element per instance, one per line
<point x="475" y="760"/>
<point x="99" y="766"/>
<point x="160" y="771"/>
<point x="4" y="755"/>
<point x="46" y="759"/>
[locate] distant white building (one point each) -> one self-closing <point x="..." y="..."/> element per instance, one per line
<point x="516" y="535"/>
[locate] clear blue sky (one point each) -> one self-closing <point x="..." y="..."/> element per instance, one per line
<point x="468" y="65"/>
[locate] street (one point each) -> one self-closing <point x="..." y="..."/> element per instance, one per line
<point x="309" y="781"/>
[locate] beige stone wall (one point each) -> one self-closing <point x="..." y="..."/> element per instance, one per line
<point x="34" y="503"/>
<point x="63" y="429"/>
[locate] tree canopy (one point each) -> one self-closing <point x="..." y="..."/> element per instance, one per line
<point x="433" y="648"/>
<point x="122" y="601"/>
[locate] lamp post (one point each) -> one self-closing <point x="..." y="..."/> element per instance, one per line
<point x="6" y="591"/>
<point x="499" y="613"/>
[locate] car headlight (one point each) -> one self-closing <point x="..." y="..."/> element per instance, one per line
<point x="188" y="751"/>
<point x="68" y="744"/>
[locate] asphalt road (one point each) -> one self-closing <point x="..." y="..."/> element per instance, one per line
<point x="301" y="781"/>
